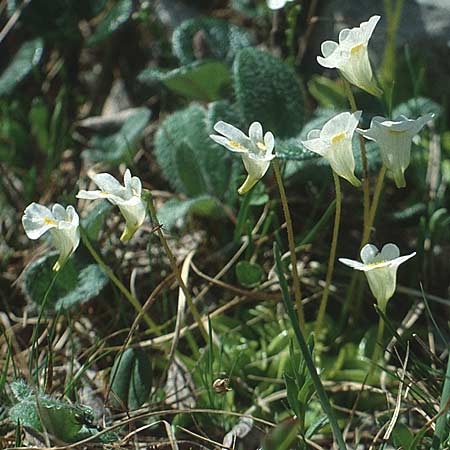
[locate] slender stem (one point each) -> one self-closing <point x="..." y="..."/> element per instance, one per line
<point x="176" y="270"/>
<point x="291" y="241"/>
<point x="332" y="257"/>
<point x="362" y="145"/>
<point x="439" y="432"/>
<point x="374" y="204"/>
<point x="153" y="327"/>
<point x="378" y="345"/>
<point x="35" y="336"/>
<point x="321" y="393"/>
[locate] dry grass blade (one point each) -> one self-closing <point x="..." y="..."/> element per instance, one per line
<point x="181" y="303"/>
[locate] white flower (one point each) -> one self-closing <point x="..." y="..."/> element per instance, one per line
<point x="394" y="139"/>
<point x="350" y="56"/>
<point x="128" y="198"/>
<point x="277" y="4"/>
<point x="256" y="149"/>
<point x="380" y="269"/>
<point x="63" y="225"/>
<point x="334" y="143"/>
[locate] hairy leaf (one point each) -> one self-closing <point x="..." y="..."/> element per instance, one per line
<point x="76" y="283"/>
<point x="268" y="91"/>
<point x="206" y="38"/>
<point x="116" y="146"/>
<point x="191" y="162"/>
<point x="174" y="211"/>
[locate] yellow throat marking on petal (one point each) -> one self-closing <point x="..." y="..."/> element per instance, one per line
<point x="236" y="145"/>
<point x="105" y="193"/>
<point x="356" y="49"/>
<point x="49" y="221"/>
<point x="338" y="137"/>
<point x="375" y="264"/>
<point x="396" y="132"/>
<point x="261" y="146"/>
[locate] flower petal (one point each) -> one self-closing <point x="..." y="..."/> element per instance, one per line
<point x="231" y="132"/>
<point x="401" y="259"/>
<point x="389" y="252"/>
<point x="269" y="142"/>
<point x="255" y="132"/>
<point x="316" y="146"/>
<point x="233" y="146"/>
<point x="107" y="183"/>
<point x="352" y="263"/>
<point x="368" y="253"/>
<point x="37" y="220"/>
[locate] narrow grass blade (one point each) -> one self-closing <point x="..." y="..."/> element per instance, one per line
<point x="324" y="401"/>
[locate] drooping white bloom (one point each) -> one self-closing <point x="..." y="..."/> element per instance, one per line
<point x="394" y="139"/>
<point x="63" y="225"/>
<point x="256" y="149"/>
<point x="277" y="4"/>
<point x="128" y="198"/>
<point x="350" y="55"/>
<point x="334" y="143"/>
<point x="380" y="268"/>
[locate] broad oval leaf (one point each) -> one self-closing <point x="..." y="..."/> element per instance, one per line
<point x="268" y="91"/>
<point x="76" y="283"/>
<point x="197" y="81"/>
<point x="116" y="146"/>
<point x="131" y="379"/>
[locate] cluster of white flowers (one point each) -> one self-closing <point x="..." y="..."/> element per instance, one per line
<point x="334" y="143"/>
<point x="63" y="224"/>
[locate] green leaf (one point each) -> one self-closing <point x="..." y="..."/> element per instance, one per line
<point x="328" y="93"/>
<point x="249" y="274"/>
<point x="174" y="210"/>
<point x="291" y="394"/>
<point x="196" y="81"/>
<point x="93" y="223"/>
<point x="267" y="90"/>
<point x="21" y="389"/>
<point x="189" y="171"/>
<point x="75" y="284"/>
<point x="402" y="436"/>
<point x="208" y="38"/>
<point x="418" y="106"/>
<point x="184" y="137"/>
<point x="223" y="110"/>
<point x="26" y="413"/>
<point x="59" y="418"/>
<point x="116" y="17"/>
<point x="115" y="146"/>
<point x="131" y="379"/>
<point x="25" y="59"/>
<point x="36" y="410"/>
